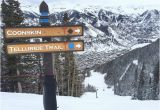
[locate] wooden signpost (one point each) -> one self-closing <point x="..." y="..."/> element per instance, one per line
<point x="48" y="47"/>
<point x="43" y="32"/>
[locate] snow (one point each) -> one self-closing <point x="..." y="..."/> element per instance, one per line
<point x="139" y="46"/>
<point x="151" y="75"/>
<point x="17" y="101"/>
<point x="116" y="36"/>
<point x="97" y="80"/>
<point x="106" y="100"/>
<point x="135" y="62"/>
<point x="125" y="72"/>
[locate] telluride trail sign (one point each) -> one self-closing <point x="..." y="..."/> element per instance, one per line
<point x="45" y="47"/>
<point x="36" y="32"/>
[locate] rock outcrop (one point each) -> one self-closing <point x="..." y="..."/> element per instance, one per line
<point x="135" y="74"/>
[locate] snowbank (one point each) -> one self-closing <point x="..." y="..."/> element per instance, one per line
<point x="106" y="100"/>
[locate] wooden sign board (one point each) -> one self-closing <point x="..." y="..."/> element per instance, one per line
<point x="36" y="32"/>
<point x="45" y="47"/>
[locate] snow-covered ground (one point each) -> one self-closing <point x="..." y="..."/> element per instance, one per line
<point x="106" y="100"/>
<point x="139" y="46"/>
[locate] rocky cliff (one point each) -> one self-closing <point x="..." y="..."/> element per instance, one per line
<point x="135" y="74"/>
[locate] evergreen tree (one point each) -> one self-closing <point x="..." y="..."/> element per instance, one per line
<point x="68" y="77"/>
<point x="11" y="16"/>
<point x="155" y="82"/>
<point x="11" y="13"/>
<point x="31" y="71"/>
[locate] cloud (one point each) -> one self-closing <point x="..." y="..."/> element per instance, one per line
<point x="97" y="2"/>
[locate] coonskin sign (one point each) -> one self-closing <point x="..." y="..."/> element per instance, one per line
<point x="45" y="47"/>
<point x="35" y="32"/>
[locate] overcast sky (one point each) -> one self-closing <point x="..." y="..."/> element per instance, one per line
<point x="100" y="2"/>
<point x="57" y="5"/>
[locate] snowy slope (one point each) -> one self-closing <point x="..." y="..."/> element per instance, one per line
<point x="97" y="80"/>
<point x="139" y="46"/>
<point x="106" y="100"/>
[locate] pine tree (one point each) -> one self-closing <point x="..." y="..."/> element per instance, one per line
<point x="68" y="77"/>
<point x="11" y="13"/>
<point x="155" y="82"/>
<point x="11" y="16"/>
<point x="69" y="82"/>
<point x="31" y="72"/>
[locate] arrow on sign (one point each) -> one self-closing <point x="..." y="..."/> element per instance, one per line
<point x="77" y="30"/>
<point x="78" y="45"/>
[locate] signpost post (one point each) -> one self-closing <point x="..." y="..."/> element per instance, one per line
<point x="49" y="85"/>
<point x="47" y="48"/>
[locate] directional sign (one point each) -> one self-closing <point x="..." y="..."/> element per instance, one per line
<point x="34" y="32"/>
<point x="45" y="47"/>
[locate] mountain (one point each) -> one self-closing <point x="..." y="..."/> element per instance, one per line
<point x="136" y="73"/>
<point x="120" y="45"/>
<point x="107" y="34"/>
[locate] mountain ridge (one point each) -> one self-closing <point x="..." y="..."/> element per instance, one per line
<point x="106" y="32"/>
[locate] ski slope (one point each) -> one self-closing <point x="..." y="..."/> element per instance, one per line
<point x="106" y="100"/>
